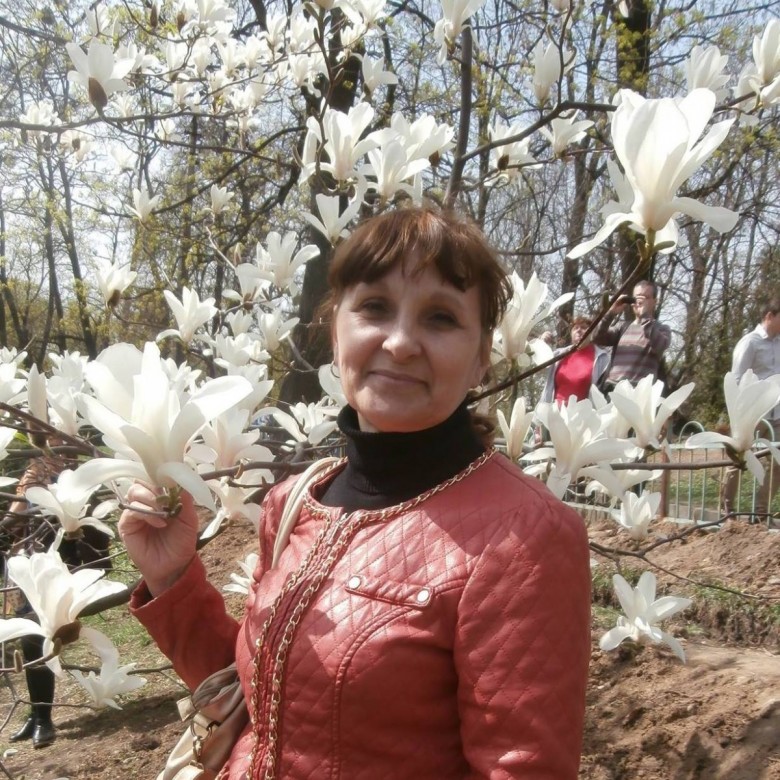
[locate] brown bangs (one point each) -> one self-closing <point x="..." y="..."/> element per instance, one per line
<point x="417" y="239"/>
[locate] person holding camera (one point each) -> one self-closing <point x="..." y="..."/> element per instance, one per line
<point x="638" y="346"/>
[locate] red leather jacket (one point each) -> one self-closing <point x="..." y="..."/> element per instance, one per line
<point x="444" y="639"/>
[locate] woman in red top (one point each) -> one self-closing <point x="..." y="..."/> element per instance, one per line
<point x="575" y="374"/>
<point x="429" y="617"/>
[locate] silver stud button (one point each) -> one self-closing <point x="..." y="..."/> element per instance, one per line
<point x="423" y="596"/>
<point x="354" y="582"/>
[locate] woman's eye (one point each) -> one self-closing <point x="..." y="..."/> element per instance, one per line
<point x="373" y="306"/>
<point x="444" y="319"/>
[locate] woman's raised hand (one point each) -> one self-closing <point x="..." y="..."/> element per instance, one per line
<point x="161" y="547"/>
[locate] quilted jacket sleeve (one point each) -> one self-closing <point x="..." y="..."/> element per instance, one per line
<point x="523" y="645"/>
<point x="189" y="624"/>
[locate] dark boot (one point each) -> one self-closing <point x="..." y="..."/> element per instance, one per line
<point x="40" y="684"/>
<point x="43" y="733"/>
<point x="26" y="731"/>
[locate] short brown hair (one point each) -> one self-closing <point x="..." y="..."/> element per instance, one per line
<point x="580" y="322"/>
<point x="433" y="238"/>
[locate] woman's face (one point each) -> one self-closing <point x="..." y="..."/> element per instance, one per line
<point x="408" y="348"/>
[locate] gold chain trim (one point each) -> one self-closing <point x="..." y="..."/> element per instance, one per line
<point x="333" y="538"/>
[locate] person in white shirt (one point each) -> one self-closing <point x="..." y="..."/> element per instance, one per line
<point x="758" y="351"/>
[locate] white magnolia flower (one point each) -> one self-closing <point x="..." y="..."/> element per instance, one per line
<point x="516" y="429"/>
<point x="37" y="397"/>
<point x="526" y="309"/>
<point x="424" y="138"/>
<point x="190" y="313"/>
<point x="456" y="14"/>
<point x="704" y="70"/>
<point x="637" y="512"/>
<point x="123" y="158"/>
<point x="112" y="681"/>
<point x="77" y="143"/>
<point x="392" y="170"/>
<point x="113" y="279"/>
<point x="645" y="409"/>
<point x="251" y="284"/>
<point x="375" y="75"/>
<point x="279" y="262"/>
<point x="12" y="386"/>
<point x="274" y="329"/>
<point x="57" y="596"/>
<point x="615" y="482"/>
<point x="657" y="143"/>
<point x="371" y="11"/>
<point x="151" y="439"/>
<point x="241" y="350"/>
<point x="40" y="113"/>
<point x="331" y="385"/>
<point x="643" y="612"/>
<point x="233" y="503"/>
<point x="227" y="442"/>
<point x="340" y="140"/>
<point x="143" y="204"/>
<point x="561" y="5"/>
<point x="766" y="57"/>
<point x="239" y="583"/>
<point x="747" y="401"/>
<point x="550" y="63"/>
<point x="577" y="436"/>
<point x="98" y="71"/>
<point x="310" y="423"/>
<point x="67" y="499"/>
<point x="220" y="197"/>
<point x="509" y="158"/>
<point x="564" y="131"/>
<point x="205" y="16"/>
<point x="331" y="223"/>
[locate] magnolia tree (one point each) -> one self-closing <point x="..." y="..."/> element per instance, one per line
<point x="218" y="153"/>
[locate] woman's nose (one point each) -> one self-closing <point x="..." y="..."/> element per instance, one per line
<point x="402" y="340"/>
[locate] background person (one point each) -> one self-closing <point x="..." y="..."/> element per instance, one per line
<point x="637" y="347"/>
<point x="27" y="532"/>
<point x="758" y="351"/>
<point x="578" y="371"/>
<point x="429" y="618"/>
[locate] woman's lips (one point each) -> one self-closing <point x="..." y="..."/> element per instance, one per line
<point x="393" y="376"/>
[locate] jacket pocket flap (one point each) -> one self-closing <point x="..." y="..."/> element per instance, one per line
<point x="400" y="593"/>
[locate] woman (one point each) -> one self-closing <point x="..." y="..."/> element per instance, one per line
<point x="429" y="618"/>
<point x="575" y="374"/>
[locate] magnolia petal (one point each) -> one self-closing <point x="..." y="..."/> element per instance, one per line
<point x="674" y="645"/>
<point x="104" y="647"/>
<point x="717" y="217"/>
<point x="667" y="606"/>
<point x="754" y="466"/>
<point x="183" y="475"/>
<point x="611" y="223"/>
<point x="708" y="439"/>
<point x="102" y="470"/>
<point x="625" y="594"/>
<point x="614" y="637"/>
<point x="13" y="628"/>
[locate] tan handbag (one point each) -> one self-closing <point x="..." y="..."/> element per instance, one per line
<point x="216" y="709"/>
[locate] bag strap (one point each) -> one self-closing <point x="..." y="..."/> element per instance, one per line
<point x="292" y="507"/>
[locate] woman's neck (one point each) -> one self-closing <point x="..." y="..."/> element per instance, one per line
<point x="384" y="469"/>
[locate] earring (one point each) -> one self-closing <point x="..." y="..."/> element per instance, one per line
<point x="334" y="371"/>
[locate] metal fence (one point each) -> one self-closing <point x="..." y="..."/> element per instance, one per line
<point x="691" y="488"/>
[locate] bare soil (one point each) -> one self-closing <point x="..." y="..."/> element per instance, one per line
<point x="717" y="717"/>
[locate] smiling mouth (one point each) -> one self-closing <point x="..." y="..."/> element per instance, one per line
<point x="400" y="378"/>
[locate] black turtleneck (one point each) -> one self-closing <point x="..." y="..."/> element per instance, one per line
<point x="384" y="469"/>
